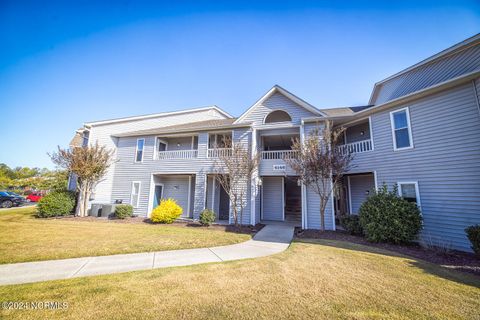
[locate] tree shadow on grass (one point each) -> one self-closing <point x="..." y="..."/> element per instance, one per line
<point x="441" y="271"/>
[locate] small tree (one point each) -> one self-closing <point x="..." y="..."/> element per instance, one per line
<point x="320" y="163"/>
<point x="89" y="164"/>
<point x="234" y="170"/>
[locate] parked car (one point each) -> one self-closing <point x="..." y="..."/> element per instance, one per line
<point x="8" y="201"/>
<point x="15" y="194"/>
<point x="34" y="197"/>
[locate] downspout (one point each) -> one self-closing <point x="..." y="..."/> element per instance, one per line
<point x="476" y="96"/>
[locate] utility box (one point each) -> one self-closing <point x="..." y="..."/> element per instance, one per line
<point x="96" y="210"/>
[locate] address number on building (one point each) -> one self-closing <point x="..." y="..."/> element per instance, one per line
<point x="279" y="167"/>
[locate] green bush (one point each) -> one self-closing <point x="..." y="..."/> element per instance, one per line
<point x="207" y="217"/>
<point x="386" y="217"/>
<point x="473" y="234"/>
<point x="167" y="212"/>
<point x="123" y="210"/>
<point x="57" y="203"/>
<point x="352" y="225"/>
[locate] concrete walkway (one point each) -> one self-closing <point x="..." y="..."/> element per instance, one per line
<point x="271" y="239"/>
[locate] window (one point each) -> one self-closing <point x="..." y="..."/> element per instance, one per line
<point x="161" y="145"/>
<point x="277" y="116"/>
<point x="139" y="150"/>
<point x="401" y="130"/>
<point x="85" y="138"/>
<point x="409" y="191"/>
<point x="217" y="140"/>
<point x="135" y="195"/>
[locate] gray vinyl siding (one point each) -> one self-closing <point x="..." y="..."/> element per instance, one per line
<point x="354" y="133"/>
<point x="179" y="143"/>
<point x="272" y="198"/>
<point x="359" y="185"/>
<point x="102" y="134"/>
<point x="313" y="200"/>
<point x="176" y="187"/>
<point x="427" y="75"/>
<point x="277" y="102"/>
<point x="445" y="161"/>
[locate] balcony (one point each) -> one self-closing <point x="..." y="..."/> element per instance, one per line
<point x="357" y="147"/>
<point x="176" y="154"/>
<point x="278" y="155"/>
<point x="219" y="152"/>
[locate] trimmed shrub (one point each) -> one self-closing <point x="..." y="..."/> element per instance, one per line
<point x="167" y="212"/>
<point x="473" y="234"/>
<point x="123" y="210"/>
<point x="352" y="225"/>
<point x="386" y="217"/>
<point x="207" y="217"/>
<point x="57" y="203"/>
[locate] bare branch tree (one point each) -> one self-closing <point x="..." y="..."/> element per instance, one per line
<point x="234" y="169"/>
<point x="321" y="163"/>
<point x="89" y="164"/>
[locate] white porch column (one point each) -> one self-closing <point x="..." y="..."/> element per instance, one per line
<point x="253" y="186"/>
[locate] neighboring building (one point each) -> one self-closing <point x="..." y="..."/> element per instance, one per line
<point x="420" y="131"/>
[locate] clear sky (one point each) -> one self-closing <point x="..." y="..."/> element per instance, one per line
<point x="63" y="64"/>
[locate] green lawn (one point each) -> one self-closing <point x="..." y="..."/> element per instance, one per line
<point x="311" y="280"/>
<point x="26" y="238"/>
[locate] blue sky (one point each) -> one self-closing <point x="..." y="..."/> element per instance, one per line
<point x="64" y="63"/>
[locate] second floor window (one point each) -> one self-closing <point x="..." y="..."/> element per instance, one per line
<point x="401" y="130"/>
<point x="139" y="150"/>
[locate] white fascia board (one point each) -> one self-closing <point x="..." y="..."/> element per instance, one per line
<point x="155" y="115"/>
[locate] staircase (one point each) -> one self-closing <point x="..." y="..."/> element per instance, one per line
<point x="293" y="209"/>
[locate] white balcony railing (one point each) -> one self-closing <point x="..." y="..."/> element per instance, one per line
<point x="278" y="155"/>
<point x="219" y="152"/>
<point x="177" y="154"/>
<point x="357" y="147"/>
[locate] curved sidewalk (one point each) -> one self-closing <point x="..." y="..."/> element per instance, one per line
<point x="273" y="238"/>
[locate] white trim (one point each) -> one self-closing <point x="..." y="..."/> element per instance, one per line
<point x="283" y="198"/>
<point x="288" y="95"/>
<point x="136" y="150"/>
<point x="155" y="151"/>
<point x="409" y="127"/>
<point x="333" y="203"/>
<point x="303" y="190"/>
<point x="253" y="182"/>
<point x="138" y="195"/>
<point x="261" y="201"/>
<point x="417" y="190"/>
<point x="213" y="193"/>
<point x="150" y="195"/>
<point x="349" y="196"/>
<point x="375" y="179"/>
<point x="281" y="122"/>
<point x="371" y="132"/>
<point x="155" y="115"/>
<point x="189" y="195"/>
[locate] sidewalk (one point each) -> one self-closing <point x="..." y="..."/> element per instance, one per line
<point x="271" y="239"/>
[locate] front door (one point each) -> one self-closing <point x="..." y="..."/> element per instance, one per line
<point x="157" y="195"/>
<point x="224" y="205"/>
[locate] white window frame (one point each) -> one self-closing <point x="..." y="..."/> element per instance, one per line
<point x="417" y="191"/>
<point x="138" y="195"/>
<point x="157" y="140"/>
<point x="136" y="150"/>
<point x="409" y="127"/>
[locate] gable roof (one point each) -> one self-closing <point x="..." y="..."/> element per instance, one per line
<point x="452" y="62"/>
<point x="276" y="88"/>
<point x="186" y="127"/>
<point x="154" y="115"/>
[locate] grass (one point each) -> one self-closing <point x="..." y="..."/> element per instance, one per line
<point x="26" y="238"/>
<point x="322" y="279"/>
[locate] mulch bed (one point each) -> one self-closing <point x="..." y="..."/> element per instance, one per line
<point x="453" y="259"/>
<point x="186" y="224"/>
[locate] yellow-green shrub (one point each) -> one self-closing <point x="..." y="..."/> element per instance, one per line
<point x="167" y="212"/>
